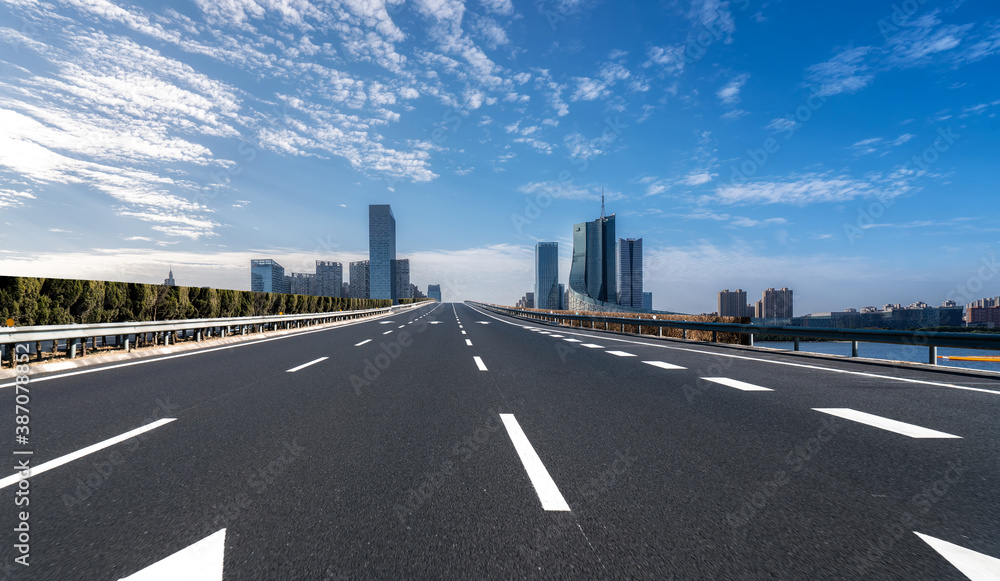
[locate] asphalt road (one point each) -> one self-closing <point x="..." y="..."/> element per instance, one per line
<point x="446" y="442"/>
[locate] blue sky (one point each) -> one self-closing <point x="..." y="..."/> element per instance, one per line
<point x="845" y="150"/>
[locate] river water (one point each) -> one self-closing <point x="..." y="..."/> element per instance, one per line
<point x="890" y="351"/>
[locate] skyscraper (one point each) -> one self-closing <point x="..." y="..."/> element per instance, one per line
<point x="381" y="252"/>
<point x="592" y="273"/>
<point x="169" y="281"/>
<point x="776" y="304"/>
<point x="547" y="275"/>
<point x="267" y="276"/>
<point x="402" y="270"/>
<point x="733" y="303"/>
<point x="630" y="272"/>
<point x="359" y="279"/>
<point x="434" y="292"/>
<point x="302" y="283"/>
<point x="329" y="279"/>
<point x="647" y="302"/>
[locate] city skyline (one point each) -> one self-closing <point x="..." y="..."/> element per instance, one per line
<point x="851" y="163"/>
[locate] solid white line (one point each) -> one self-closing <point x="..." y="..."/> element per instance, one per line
<point x="545" y="487"/>
<point x="468" y="342"/>
<point x="885" y="423"/>
<point x="663" y="365"/>
<point x="771" y="361"/>
<point x="573" y="340"/>
<point x="387" y="332"/>
<point x="620" y="353"/>
<point x="592" y="346"/>
<point x="975" y="566"/>
<point x="480" y="364"/>
<point x="45" y="467"/>
<point x="362" y="343"/>
<point x="741" y="385"/>
<point x="304" y="365"/>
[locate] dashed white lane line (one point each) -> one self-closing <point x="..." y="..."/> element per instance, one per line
<point x="884" y="423"/>
<point x="362" y="343"/>
<point x="401" y="326"/>
<point x="663" y="365"/>
<point x="468" y="342"/>
<point x="557" y="336"/>
<point x="573" y="340"/>
<point x="304" y="365"/>
<point x="387" y="332"/>
<point x="620" y="353"/>
<point x="975" y="566"/>
<point x="741" y="385"/>
<point x="545" y="487"/>
<point x="593" y="346"/>
<point x="480" y="364"/>
<point x="463" y="332"/>
<point x="46" y="466"/>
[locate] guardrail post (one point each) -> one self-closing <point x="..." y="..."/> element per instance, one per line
<point x="751" y="339"/>
<point x="72" y="349"/>
<point x="932" y="355"/>
<point x="684" y="334"/>
<point x="796" y="343"/>
<point x="715" y="336"/>
<point x="854" y="348"/>
<point x="660" y="333"/>
<point x="127" y="344"/>
<point x="38" y="350"/>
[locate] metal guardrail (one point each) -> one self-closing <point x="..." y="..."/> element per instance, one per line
<point x="165" y="330"/>
<point x="930" y="339"/>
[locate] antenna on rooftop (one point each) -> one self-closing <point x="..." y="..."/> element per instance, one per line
<point x="602" y="203"/>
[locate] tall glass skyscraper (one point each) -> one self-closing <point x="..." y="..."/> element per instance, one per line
<point x="592" y="273"/>
<point x="381" y="252"/>
<point x="630" y="272"/>
<point x="268" y="276"/>
<point x="547" y="275"/>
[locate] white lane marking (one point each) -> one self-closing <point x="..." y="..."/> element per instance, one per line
<point x="884" y="423"/>
<point x="386" y="322"/>
<point x="463" y="332"/>
<point x="201" y="561"/>
<point x="482" y="322"/>
<point x="545" y="487"/>
<point x="468" y="342"/>
<point x="975" y="566"/>
<point x="741" y="385"/>
<point x="46" y="466"/>
<point x="573" y="340"/>
<point x="773" y="362"/>
<point x="620" y="353"/>
<point x="593" y="346"/>
<point x="304" y="365"/>
<point x="400" y="327"/>
<point x="387" y="332"/>
<point x="556" y="336"/>
<point x="480" y="364"/>
<point x="545" y="332"/>
<point x="663" y="365"/>
<point x="362" y="343"/>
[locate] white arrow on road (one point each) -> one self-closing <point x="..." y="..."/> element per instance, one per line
<point x="201" y="561"/>
<point x="975" y="566"/>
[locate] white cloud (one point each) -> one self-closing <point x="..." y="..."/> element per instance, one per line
<point x="698" y="178"/>
<point x="811" y="189"/>
<point x="669" y="58"/>
<point x="570" y="191"/>
<point x="730" y="93"/>
<point x="846" y="72"/>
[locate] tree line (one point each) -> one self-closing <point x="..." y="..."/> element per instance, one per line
<point x="60" y="301"/>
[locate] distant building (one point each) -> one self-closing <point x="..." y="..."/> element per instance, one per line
<point x="169" y="281"/>
<point x="563" y="301"/>
<point x="301" y="283"/>
<point x="647" y="302"/>
<point x="892" y="318"/>
<point x="547" y="274"/>
<point x="629" y="258"/>
<point x="775" y="304"/>
<point x="359" y="279"/>
<point x="415" y="292"/>
<point x="346" y="288"/>
<point x="402" y="270"/>
<point x="381" y="252"/>
<point x="527" y="301"/>
<point x="733" y="304"/>
<point x="434" y="292"/>
<point x="983" y="313"/>
<point x="267" y="276"/>
<point x="329" y="280"/>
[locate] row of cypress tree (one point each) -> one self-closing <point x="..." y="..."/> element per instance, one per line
<point x="59" y="301"/>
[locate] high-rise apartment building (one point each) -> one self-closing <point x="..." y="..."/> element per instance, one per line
<point x="563" y="302"/>
<point x="733" y="303"/>
<point x="547" y="275"/>
<point x="629" y="254"/>
<point x="775" y="304"/>
<point x="267" y="276"/>
<point x="402" y="270"/>
<point x="359" y="279"/>
<point x="381" y="252"/>
<point x="434" y="292"/>
<point x="647" y="302"/>
<point x="346" y="287"/>
<point x="329" y="279"/>
<point x="301" y="283"/>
